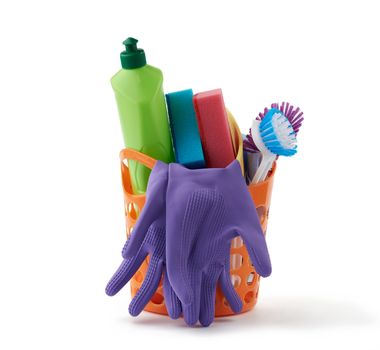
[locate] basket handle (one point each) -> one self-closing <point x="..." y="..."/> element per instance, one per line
<point x="129" y="153"/>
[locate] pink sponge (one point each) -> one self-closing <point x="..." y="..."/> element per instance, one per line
<point x="213" y="128"/>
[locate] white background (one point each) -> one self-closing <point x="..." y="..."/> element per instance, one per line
<point x="62" y="224"/>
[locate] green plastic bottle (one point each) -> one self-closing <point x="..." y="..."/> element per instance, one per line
<point x="142" y="110"/>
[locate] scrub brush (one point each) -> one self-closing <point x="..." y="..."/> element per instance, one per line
<point x="273" y="136"/>
<point x="293" y="114"/>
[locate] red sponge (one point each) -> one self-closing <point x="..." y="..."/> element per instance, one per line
<point x="213" y="128"/>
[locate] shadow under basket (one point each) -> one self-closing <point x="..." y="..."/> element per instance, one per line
<point x="243" y="275"/>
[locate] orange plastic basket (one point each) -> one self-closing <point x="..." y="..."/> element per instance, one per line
<point x="243" y="275"/>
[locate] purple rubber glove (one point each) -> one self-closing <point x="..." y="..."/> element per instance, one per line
<point x="205" y="210"/>
<point x="148" y="237"/>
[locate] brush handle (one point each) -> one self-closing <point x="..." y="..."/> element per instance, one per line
<point x="265" y="166"/>
<point x="268" y="168"/>
<point x="267" y="156"/>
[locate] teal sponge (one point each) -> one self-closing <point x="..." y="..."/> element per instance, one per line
<point x="184" y="127"/>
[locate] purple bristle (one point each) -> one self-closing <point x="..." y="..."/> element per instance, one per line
<point x="248" y="143"/>
<point x="293" y="114"/>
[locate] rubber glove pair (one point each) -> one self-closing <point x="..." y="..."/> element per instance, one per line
<point x="186" y="226"/>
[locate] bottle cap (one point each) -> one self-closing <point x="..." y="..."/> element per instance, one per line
<point x="132" y="57"/>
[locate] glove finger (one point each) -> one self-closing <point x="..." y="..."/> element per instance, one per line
<point x="191" y="310"/>
<point x="254" y="240"/>
<point x="228" y="289"/>
<point x="153" y="208"/>
<point x="124" y="273"/>
<point x="207" y="310"/>
<point x="149" y="286"/>
<point x="247" y="224"/>
<point x="138" y="235"/>
<point x="173" y="305"/>
<point x="259" y="256"/>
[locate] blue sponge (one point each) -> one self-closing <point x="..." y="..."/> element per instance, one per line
<point x="184" y="127"/>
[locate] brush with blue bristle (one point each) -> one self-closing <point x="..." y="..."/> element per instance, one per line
<point x="293" y="114"/>
<point x="273" y="136"/>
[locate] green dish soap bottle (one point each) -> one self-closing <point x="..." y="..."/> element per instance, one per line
<point x="141" y="103"/>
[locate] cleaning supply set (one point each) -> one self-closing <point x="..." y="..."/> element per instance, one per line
<point x="196" y="225"/>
